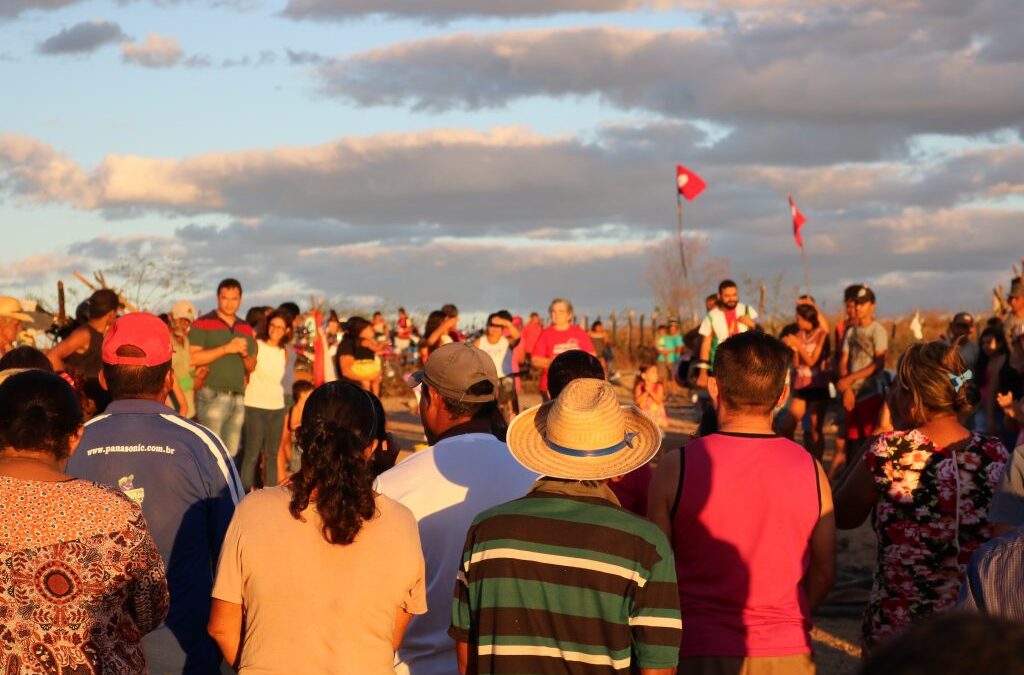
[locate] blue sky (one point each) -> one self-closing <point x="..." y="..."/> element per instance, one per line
<point x="386" y="173"/>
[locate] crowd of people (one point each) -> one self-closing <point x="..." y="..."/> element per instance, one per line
<point x="178" y="495"/>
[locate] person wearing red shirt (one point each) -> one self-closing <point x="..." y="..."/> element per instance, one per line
<point x="561" y="336"/>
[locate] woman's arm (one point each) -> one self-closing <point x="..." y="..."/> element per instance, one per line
<point x="815" y="356"/>
<point x="401" y="623"/>
<point x="225" y="627"/>
<point x="79" y="339"/>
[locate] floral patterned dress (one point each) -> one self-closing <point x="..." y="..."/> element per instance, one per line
<point x="931" y="515"/>
<point x="81" y="580"/>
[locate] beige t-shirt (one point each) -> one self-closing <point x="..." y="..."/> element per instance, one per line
<point x="315" y="607"/>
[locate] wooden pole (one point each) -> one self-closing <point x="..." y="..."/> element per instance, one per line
<point x="681" y="243"/>
<point x="807" y="269"/>
<point x="62" y="315"/>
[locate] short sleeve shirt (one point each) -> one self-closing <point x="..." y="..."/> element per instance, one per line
<point x="671" y="344"/>
<point x="553" y="342"/>
<point x="228" y="372"/>
<point x="313" y="606"/>
<point x="1008" y="504"/>
<point x="720" y="325"/>
<point x="863" y="343"/>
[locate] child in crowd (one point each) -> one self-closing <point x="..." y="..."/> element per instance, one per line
<point x="289" y="456"/>
<point x="649" y="394"/>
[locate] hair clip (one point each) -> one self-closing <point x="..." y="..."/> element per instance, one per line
<point x="960" y="380"/>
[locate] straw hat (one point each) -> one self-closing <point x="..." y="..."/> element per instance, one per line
<point x="584" y="434"/>
<point x="10" y="308"/>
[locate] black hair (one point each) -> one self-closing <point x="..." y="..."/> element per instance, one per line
<point x="354" y="326"/>
<point x="134" y="381"/>
<point x="750" y="370"/>
<point x="504" y="314"/>
<point x="491" y="317"/>
<point x="229" y="283"/>
<point x="300" y="387"/>
<point x="39" y="411"/>
<point x="809" y="314"/>
<point x="850" y="292"/>
<point x="459" y="409"/>
<point x="728" y="283"/>
<point x="103" y="302"/>
<point x="433" y="323"/>
<point x="991" y="333"/>
<point x="449" y="310"/>
<point x="596" y="323"/>
<point x="387" y="452"/>
<point x="25" y="356"/>
<point x="263" y="332"/>
<point x="338" y="423"/>
<point x="572" y="365"/>
<point x="955" y="643"/>
<point x="291" y="308"/>
<point x="256" y="317"/>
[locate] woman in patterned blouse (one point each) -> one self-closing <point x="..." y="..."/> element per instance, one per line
<point x="929" y="488"/>
<point x="81" y="579"/>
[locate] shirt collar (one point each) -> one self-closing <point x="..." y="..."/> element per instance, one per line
<point x="138" y="405"/>
<point x="571" y="488"/>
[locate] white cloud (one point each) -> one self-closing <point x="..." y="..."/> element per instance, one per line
<point x="156" y="51"/>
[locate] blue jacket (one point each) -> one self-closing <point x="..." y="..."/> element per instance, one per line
<point x="187" y="485"/>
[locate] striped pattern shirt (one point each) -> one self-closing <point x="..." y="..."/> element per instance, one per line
<point x="564" y="581"/>
<point x="994" y="582"/>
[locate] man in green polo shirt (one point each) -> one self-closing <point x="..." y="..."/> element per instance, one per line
<point x="564" y="580"/>
<point x="225" y="344"/>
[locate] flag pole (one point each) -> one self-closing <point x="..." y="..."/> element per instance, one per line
<point x="807" y="268"/>
<point x="682" y="253"/>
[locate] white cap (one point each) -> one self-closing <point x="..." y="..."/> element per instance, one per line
<point x="183" y="309"/>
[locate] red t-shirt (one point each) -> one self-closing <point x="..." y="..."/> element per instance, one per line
<point x="553" y="342"/>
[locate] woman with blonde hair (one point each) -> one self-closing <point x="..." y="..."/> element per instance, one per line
<point x="929" y="485"/>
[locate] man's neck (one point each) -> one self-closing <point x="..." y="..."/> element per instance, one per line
<point x="561" y="326"/>
<point x="463" y="427"/>
<point x="159" y="398"/>
<point x="735" y="423"/>
<point x="229" y="319"/>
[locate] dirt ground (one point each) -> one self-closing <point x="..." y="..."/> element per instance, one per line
<point x="836" y="631"/>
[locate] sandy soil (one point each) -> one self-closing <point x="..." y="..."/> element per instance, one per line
<point x="836" y="631"/>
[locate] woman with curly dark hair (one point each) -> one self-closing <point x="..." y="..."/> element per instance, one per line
<point x="322" y="574"/>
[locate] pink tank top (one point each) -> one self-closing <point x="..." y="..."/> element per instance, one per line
<point x="741" y="531"/>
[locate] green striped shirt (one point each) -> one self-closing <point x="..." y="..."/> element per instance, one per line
<point x="564" y="581"/>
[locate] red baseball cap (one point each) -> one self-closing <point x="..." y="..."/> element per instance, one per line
<point x="143" y="331"/>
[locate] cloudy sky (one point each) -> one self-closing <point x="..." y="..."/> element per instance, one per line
<point x="501" y="152"/>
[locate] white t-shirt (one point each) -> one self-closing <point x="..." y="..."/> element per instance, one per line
<point x="717" y="322"/>
<point x="446" y="487"/>
<point x="500" y="352"/>
<point x="265" y="389"/>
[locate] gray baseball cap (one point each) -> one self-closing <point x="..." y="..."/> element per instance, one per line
<point x="454" y="368"/>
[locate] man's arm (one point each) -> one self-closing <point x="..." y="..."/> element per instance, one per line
<point x="79" y="339"/>
<point x="821" y="573"/>
<point x="662" y="492"/>
<point x="204" y="357"/>
<point x="462" y="654"/>
<point x="856" y="496"/>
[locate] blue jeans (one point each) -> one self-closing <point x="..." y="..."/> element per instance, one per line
<point x="262" y="437"/>
<point x="223" y="413"/>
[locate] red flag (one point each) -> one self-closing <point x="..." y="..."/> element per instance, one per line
<point x="688" y="183"/>
<point x="798" y="222"/>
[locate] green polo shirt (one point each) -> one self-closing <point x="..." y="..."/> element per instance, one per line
<point x="228" y="372"/>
